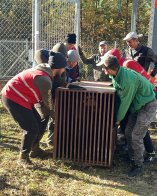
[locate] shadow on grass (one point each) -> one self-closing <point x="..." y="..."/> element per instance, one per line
<point x="9" y="142"/>
<point x="5" y="185"/>
<point x="123" y="182"/>
<point x="11" y="147"/>
<point x="35" y="193"/>
<point x="118" y="174"/>
<point x="10" y="138"/>
<point x="66" y="175"/>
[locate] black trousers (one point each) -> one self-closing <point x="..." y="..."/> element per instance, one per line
<point x="30" y="121"/>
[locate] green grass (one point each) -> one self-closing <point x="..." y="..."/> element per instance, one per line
<point x="57" y="178"/>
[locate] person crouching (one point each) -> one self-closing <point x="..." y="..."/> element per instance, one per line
<point x="27" y="89"/>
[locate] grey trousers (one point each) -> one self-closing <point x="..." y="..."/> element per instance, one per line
<point x="50" y="128"/>
<point x="138" y="124"/>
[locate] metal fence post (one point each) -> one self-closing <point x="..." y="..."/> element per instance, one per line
<point x="33" y="21"/>
<point x="77" y="18"/>
<point x="37" y="3"/>
<point x="152" y="37"/>
<point x="134" y="15"/>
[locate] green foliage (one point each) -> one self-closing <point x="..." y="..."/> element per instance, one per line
<point x="16" y="18"/>
<point x="111" y="19"/>
<point x="100" y="19"/>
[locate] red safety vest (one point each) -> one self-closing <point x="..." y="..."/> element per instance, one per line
<point x="21" y="89"/>
<point x="131" y="64"/>
<point x="138" y="68"/>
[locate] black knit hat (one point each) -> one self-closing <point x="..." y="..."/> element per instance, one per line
<point x="71" y="38"/>
<point x="60" y="47"/>
<point x="57" y="60"/>
<point x="41" y="56"/>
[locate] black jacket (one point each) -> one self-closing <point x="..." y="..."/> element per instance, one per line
<point x="144" y="56"/>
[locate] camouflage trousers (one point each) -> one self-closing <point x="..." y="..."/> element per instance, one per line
<point x="136" y="128"/>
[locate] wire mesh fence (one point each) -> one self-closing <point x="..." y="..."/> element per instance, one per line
<point x="14" y="57"/>
<point x="15" y="33"/>
<point x="56" y="19"/>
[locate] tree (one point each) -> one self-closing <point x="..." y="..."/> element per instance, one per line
<point x="16" y="19"/>
<point x="111" y="19"/>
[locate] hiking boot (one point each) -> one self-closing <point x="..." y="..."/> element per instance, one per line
<point x="135" y="171"/>
<point x="24" y="159"/>
<point x="37" y="152"/>
<point x="149" y="157"/>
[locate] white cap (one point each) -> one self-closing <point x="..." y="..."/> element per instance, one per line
<point x="103" y="58"/>
<point x="103" y="43"/>
<point x="130" y="36"/>
<point x="73" y="56"/>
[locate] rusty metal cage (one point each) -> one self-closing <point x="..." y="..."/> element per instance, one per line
<point x="84" y="124"/>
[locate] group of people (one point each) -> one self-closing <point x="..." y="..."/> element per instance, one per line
<point x="30" y="95"/>
<point x="137" y="107"/>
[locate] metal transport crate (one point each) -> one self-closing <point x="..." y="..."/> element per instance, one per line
<point x="84" y="124"/>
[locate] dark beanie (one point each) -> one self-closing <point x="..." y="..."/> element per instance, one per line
<point x="57" y="60"/>
<point x="41" y="56"/>
<point x="60" y="47"/>
<point x="71" y="38"/>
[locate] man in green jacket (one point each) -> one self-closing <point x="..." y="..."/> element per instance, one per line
<point x="136" y="96"/>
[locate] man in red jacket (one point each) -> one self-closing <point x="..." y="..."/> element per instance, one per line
<point x="27" y="89"/>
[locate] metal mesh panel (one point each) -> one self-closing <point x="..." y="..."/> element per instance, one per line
<point x="57" y="19"/>
<point x="15" y="31"/>
<point x="13" y="57"/>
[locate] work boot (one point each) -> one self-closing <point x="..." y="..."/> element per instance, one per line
<point x="136" y="170"/>
<point x="37" y="152"/>
<point x="24" y="159"/>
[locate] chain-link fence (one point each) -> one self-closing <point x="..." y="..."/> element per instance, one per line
<point x="14" y="57"/>
<point x="17" y="32"/>
<point x="15" y="36"/>
<point x="56" y="19"/>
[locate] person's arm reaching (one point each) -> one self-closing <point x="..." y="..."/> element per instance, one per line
<point x="44" y="84"/>
<point x="84" y="59"/>
<point x="126" y="98"/>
